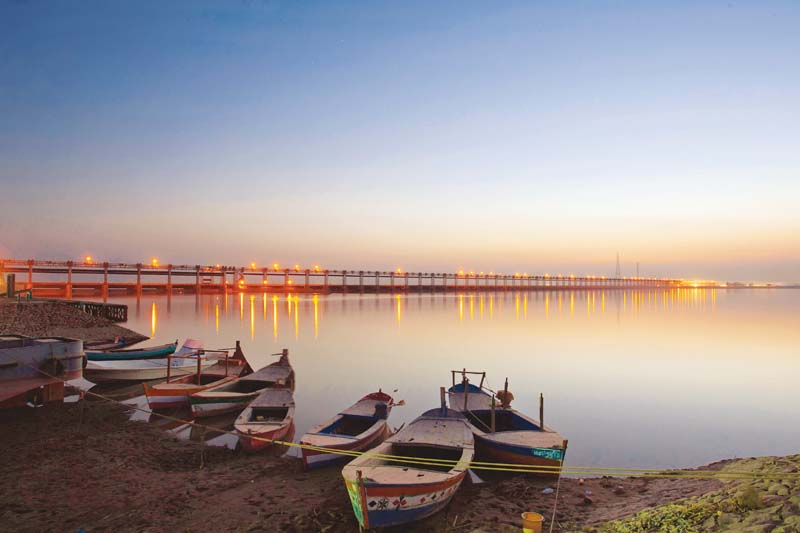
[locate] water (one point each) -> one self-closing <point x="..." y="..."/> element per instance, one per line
<point x="651" y="379"/>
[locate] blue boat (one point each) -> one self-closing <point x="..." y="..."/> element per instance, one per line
<point x="503" y="434"/>
<point x="130" y="354"/>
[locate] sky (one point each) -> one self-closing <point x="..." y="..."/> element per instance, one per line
<point x="431" y="136"/>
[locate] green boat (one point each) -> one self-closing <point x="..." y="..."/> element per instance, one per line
<point x="153" y="352"/>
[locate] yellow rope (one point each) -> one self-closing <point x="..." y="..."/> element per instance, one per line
<point x="474" y="465"/>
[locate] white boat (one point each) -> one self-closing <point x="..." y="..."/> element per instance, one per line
<point x="359" y="427"/>
<point x="182" y="362"/>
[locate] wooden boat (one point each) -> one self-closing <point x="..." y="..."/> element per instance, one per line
<point x="359" y="427"/>
<point x="147" y="369"/>
<point x="176" y="391"/>
<point x="269" y="416"/>
<point x="387" y="493"/>
<point x="513" y="437"/>
<point x="111" y="344"/>
<point x="237" y="394"/>
<point x="128" y="354"/>
<point x="33" y="370"/>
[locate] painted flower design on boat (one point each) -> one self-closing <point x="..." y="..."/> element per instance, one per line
<point x="383" y="503"/>
<point x="399" y="502"/>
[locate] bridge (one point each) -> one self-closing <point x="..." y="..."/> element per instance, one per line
<point x="66" y="279"/>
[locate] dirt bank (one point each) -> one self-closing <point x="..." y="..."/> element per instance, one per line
<point x="62" y="470"/>
<point x="47" y="318"/>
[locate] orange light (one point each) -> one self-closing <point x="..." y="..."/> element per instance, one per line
<point x="217" y="265"/>
<point x="275" y="266"/>
<point x="154" y="261"/>
<point x="461" y="272"/>
<point x="399" y="270"/>
<point x="88" y="259"/>
<point x="253" y="265"/>
<point x="265" y="282"/>
<point x="290" y="282"/>
<point x="547" y="275"/>
<point x="297" y="267"/>
<point x="471" y="273"/>
<point x="316" y="268"/>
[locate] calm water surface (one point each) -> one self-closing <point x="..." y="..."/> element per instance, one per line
<point x="635" y="379"/>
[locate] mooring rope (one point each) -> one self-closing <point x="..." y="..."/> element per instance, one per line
<point x="558" y="470"/>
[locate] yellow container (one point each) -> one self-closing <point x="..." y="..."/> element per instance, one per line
<point x="532" y="522"/>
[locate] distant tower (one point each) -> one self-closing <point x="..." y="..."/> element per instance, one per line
<point x="618" y="271"/>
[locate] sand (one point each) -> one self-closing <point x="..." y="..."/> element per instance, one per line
<point x="86" y="465"/>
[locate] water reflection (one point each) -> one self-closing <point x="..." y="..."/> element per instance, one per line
<point x="639" y="359"/>
<point x="298" y="306"/>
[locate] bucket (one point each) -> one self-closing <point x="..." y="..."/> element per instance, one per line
<point x="532" y="522"/>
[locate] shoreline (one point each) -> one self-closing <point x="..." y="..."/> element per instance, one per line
<point x="118" y="474"/>
<point x="49" y="318"/>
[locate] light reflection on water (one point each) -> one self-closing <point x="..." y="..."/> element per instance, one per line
<point x="653" y="378"/>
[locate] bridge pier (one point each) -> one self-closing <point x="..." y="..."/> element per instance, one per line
<point x="68" y="291"/>
<point x="306" y="280"/>
<point x="196" y="279"/>
<point x="326" y="281"/>
<point x="29" y="285"/>
<point x="361" y="281"/>
<point x="138" y="280"/>
<point x="169" y="280"/>
<point x="344" y="281"/>
<point x="104" y="289"/>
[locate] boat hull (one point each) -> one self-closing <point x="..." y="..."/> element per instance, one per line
<point x="130" y="355"/>
<point x="253" y="445"/>
<point x="393" y="505"/>
<point x="318" y="458"/>
<point x="97" y="374"/>
<point x="490" y="450"/>
<point x="165" y="396"/>
<point x="212" y="405"/>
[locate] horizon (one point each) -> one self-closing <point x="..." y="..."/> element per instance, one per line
<point x="540" y="137"/>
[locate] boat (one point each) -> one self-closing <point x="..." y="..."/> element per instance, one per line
<point x="359" y="427"/>
<point x="267" y="418"/>
<point x="237" y="394"/>
<point x="149" y="369"/>
<point x="513" y="437"/>
<point x="175" y="392"/>
<point x="128" y="354"/>
<point x="111" y="344"/>
<point x="33" y="369"/>
<point x="384" y="492"/>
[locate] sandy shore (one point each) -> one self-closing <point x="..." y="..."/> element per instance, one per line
<point x="65" y="469"/>
<point x="47" y="318"/>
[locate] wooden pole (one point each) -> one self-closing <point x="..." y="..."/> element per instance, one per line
<point x="442" y="397"/>
<point x="169" y="366"/>
<point x="541" y="411"/>
<point x="466" y="392"/>
<point x="505" y="394"/>
<point x="493" y="409"/>
<point x="199" y="353"/>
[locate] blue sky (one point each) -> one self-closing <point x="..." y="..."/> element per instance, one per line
<point x="515" y="136"/>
